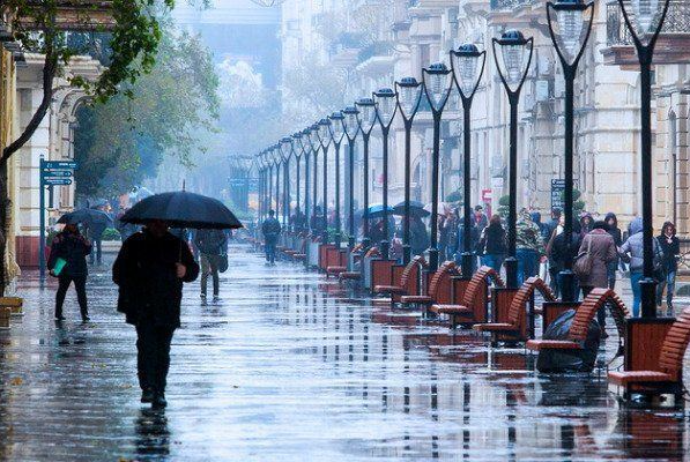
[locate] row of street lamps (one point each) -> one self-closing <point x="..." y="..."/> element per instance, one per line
<point x="570" y="24"/>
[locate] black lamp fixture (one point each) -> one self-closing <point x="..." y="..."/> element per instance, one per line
<point x="570" y="24"/>
<point x="513" y="56"/>
<point x="324" y="134"/>
<point x="307" y="151"/>
<point x="351" y="126"/>
<point x="467" y="63"/>
<point x="286" y="151"/>
<point x="645" y="19"/>
<point x="409" y="94"/>
<point x="337" y="133"/>
<point x="386" y="107"/>
<point x="437" y="87"/>
<point x="298" y="149"/>
<point x="313" y="137"/>
<point x="367" y="120"/>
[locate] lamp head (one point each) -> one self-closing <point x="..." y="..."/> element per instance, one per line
<point x="324" y="132"/>
<point x="385" y="99"/>
<point x="409" y="96"/>
<point x="367" y="114"/>
<point x="336" y="128"/>
<point x="350" y="123"/>
<point x="437" y="84"/>
<point x="467" y="70"/>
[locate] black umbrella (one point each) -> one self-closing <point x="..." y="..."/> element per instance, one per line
<point x="416" y="209"/>
<point x="88" y="216"/>
<point x="182" y="210"/>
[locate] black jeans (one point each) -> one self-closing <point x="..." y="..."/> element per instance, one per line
<point x="209" y="266"/>
<point x="79" y="286"/>
<point x="153" y="355"/>
<point x="96" y="254"/>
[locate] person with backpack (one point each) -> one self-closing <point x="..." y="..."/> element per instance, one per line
<point x="632" y="252"/>
<point x="271" y="229"/>
<point x="599" y="248"/>
<point x="212" y="245"/>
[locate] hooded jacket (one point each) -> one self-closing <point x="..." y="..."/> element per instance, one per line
<point x="614" y="231"/>
<point x="633" y="247"/>
<point x="670" y="249"/>
<point x="528" y="234"/>
<point x="602" y="252"/>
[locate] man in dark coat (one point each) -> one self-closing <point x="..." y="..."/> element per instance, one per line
<point x="71" y="247"/>
<point x="150" y="270"/>
<point x="213" y="245"/>
<point x="271" y="229"/>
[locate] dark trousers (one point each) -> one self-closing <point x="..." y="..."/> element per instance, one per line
<point x="153" y="355"/>
<point x="270" y="248"/>
<point x="95" y="256"/>
<point x="79" y="286"/>
<point x="601" y="313"/>
<point x="209" y="266"/>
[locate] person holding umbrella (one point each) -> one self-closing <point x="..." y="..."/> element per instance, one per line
<point x="150" y="271"/>
<point x="67" y="262"/>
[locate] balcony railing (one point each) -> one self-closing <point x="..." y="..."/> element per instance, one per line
<point x="509" y="5"/>
<point x="677" y="22"/>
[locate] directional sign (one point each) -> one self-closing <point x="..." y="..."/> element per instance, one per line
<point x="59" y="174"/>
<point x="58" y="181"/>
<point x="60" y="165"/>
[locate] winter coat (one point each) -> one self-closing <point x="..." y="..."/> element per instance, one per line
<point x="558" y="251"/>
<point x="493" y="240"/>
<point x="602" y="250"/>
<point x="474" y="238"/>
<point x="211" y="241"/>
<point x="73" y="248"/>
<point x="633" y="247"/>
<point x="671" y="251"/>
<point x="146" y="272"/>
<point x="614" y="231"/>
<point x="271" y="230"/>
<point x="529" y="234"/>
<point x="419" y="237"/>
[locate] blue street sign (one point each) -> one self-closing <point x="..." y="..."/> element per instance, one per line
<point x="58" y="181"/>
<point x="60" y="165"/>
<point x="58" y="174"/>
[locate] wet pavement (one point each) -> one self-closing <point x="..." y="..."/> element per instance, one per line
<point x="288" y="367"/>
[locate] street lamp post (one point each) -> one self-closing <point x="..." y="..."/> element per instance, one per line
<point x="261" y="162"/>
<point x="647" y="20"/>
<point x="386" y="107"/>
<point x="570" y="24"/>
<point x="324" y="134"/>
<point x="366" y="119"/>
<point x="516" y="52"/>
<point x="409" y="96"/>
<point x="437" y="87"/>
<point x="313" y="137"/>
<point x="268" y="158"/>
<point x="298" y="148"/>
<point x="286" y="152"/>
<point x="277" y="161"/>
<point x="351" y="126"/>
<point x="467" y="63"/>
<point x="337" y="133"/>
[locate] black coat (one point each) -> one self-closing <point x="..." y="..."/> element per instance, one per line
<point x="559" y="250"/>
<point x="671" y="251"/>
<point x="73" y="248"/>
<point x="145" y="271"/>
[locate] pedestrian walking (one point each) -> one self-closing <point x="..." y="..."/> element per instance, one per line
<point x="481" y="221"/>
<point x="95" y="234"/>
<point x="419" y="236"/>
<point x="67" y="262"/>
<point x="557" y="251"/>
<point x="213" y="246"/>
<point x="529" y="246"/>
<point x="632" y="251"/>
<point x="615" y="232"/>
<point x="271" y="230"/>
<point x="492" y="244"/>
<point x="452" y="223"/>
<point x="150" y="271"/>
<point x="600" y="248"/>
<point x="586" y="222"/>
<point x="670" y="247"/>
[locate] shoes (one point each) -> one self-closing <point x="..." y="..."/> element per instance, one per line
<point x="85" y="319"/>
<point x="59" y="318"/>
<point x="203" y="297"/>
<point x="604" y="334"/>
<point x="216" y="298"/>
<point x="147" y="395"/>
<point x="159" y="401"/>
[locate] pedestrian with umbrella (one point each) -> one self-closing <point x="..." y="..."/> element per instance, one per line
<point x="96" y="222"/>
<point x="67" y="262"/>
<point x="150" y="271"/>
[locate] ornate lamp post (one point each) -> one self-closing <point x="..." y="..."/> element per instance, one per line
<point x="351" y="126"/>
<point x="268" y="159"/>
<point x="467" y="63"/>
<point x="261" y="162"/>
<point x="313" y="137"/>
<point x="286" y="152"/>
<point x="570" y="24"/>
<point x="645" y="25"/>
<point x="437" y="86"/>
<point x="324" y="133"/>
<point x="337" y="133"/>
<point x="298" y="149"/>
<point x="515" y="57"/>
<point x="277" y="161"/>
<point x="386" y="107"/>
<point x="367" y="120"/>
<point x="409" y="96"/>
<point x="305" y="146"/>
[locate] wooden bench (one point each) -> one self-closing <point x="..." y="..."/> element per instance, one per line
<point x="352" y="275"/>
<point x="667" y="377"/>
<point x="473" y="306"/>
<point x="515" y="327"/>
<point x="597" y="298"/>
<point x="409" y="281"/>
<point x="439" y="289"/>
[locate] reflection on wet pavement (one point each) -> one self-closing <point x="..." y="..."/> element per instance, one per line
<point x="289" y="367"/>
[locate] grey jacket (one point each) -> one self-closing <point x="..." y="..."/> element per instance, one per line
<point x="632" y="249"/>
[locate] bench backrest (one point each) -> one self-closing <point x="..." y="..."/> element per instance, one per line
<point x="478" y="282"/>
<point x="518" y="307"/>
<point x="675" y="344"/>
<point x="412" y="270"/>
<point x="597" y="299"/>
<point x="443" y="273"/>
<point x="372" y="252"/>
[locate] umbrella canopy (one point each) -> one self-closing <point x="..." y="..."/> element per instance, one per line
<point x="443" y="208"/>
<point x="416" y="209"/>
<point x="87" y="216"/>
<point x="375" y="211"/>
<point x="182" y="210"/>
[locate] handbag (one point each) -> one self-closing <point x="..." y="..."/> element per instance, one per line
<point x="582" y="266"/>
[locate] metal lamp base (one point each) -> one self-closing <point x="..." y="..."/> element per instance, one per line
<point x="511" y="266"/>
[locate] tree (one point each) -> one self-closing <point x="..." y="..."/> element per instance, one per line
<point x="120" y="143"/>
<point x="38" y="25"/>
